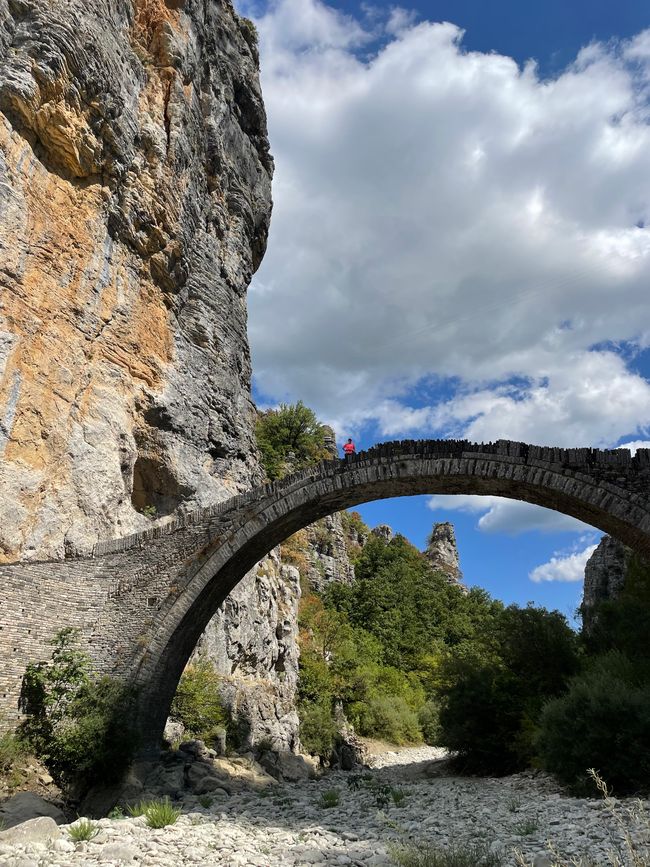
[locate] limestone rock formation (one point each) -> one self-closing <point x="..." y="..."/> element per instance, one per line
<point x="604" y="577"/>
<point x="328" y="554"/>
<point x="442" y="553"/>
<point x="253" y="643"/>
<point x="134" y="208"/>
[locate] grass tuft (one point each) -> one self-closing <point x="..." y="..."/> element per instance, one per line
<point x="330" y="798"/>
<point x="83" y="830"/>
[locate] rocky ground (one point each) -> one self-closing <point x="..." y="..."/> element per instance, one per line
<point x="406" y="797"/>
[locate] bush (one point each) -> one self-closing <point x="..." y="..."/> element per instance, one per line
<point x="12" y="748"/>
<point x="197" y="703"/>
<point x="290" y="438"/>
<point x="491" y="707"/>
<point x="318" y="729"/>
<point x="429" y="721"/>
<point x="603" y="721"/>
<point x="75" y="723"/>
<point x="390" y="718"/>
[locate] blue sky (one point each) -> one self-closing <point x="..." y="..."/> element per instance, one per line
<point x="459" y="246"/>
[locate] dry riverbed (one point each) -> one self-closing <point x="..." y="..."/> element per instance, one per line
<point x="403" y="799"/>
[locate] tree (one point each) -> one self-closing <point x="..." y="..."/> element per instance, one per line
<point x="290" y="438"/>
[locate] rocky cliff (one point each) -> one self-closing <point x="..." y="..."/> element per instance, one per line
<point x="134" y="208"/>
<point x="442" y="552"/>
<point x="605" y="574"/>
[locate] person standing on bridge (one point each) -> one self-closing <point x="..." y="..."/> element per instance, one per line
<point x="349" y="449"/>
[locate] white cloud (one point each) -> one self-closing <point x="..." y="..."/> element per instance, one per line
<point x="501" y="515"/>
<point x="570" y="567"/>
<point x="636" y="444"/>
<point x="445" y="213"/>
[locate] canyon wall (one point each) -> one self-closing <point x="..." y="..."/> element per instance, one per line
<point x="134" y="208"/>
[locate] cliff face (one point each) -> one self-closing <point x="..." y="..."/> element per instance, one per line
<point x="134" y="203"/>
<point x="253" y="644"/>
<point x="442" y="552"/>
<point x="605" y="574"/>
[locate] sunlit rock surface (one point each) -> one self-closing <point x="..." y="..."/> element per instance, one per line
<point x="134" y="208"/>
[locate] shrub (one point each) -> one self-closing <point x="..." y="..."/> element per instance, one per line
<point x="390" y="718"/>
<point x="290" y="438"/>
<point x="76" y="723"/>
<point x="318" y="729"/>
<point x="491" y="707"/>
<point x="197" y="703"/>
<point x="603" y="721"/>
<point x="83" y="830"/>
<point x="12" y="748"/>
<point x="429" y="722"/>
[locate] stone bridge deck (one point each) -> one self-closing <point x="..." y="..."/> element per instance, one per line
<point x="141" y="602"/>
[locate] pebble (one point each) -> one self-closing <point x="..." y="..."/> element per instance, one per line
<point x="292" y="828"/>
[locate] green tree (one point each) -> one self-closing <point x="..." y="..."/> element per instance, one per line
<point x="197" y="703"/>
<point x="290" y="438"/>
<point x="493" y="697"/>
<point x="76" y="722"/>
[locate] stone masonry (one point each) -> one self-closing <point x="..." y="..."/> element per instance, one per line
<point x="142" y="602"/>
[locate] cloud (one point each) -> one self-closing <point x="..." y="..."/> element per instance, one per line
<point x="570" y="567"/>
<point x="446" y="219"/>
<point x="636" y="444"/>
<point x="501" y="515"/>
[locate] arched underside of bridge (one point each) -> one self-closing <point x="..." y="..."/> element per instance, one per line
<point x="605" y="489"/>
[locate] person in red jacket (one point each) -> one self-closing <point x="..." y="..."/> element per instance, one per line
<point x="348" y="448"/>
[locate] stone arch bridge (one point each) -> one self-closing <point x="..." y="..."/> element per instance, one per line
<point x="142" y="602"/>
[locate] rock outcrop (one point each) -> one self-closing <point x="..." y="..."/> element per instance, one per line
<point x="134" y="208"/>
<point x="253" y="643"/>
<point x="605" y="574"/>
<point x="442" y="552"/>
<point x="328" y="552"/>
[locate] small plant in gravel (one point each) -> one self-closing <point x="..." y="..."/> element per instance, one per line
<point x="161" y="813"/>
<point x="330" y="798"/>
<point x="526" y="827"/>
<point x="514" y="804"/>
<point x="428" y="855"/>
<point x="116" y="813"/>
<point x="206" y="801"/>
<point x="399" y="797"/>
<point x="83" y="830"/>
<point x="137" y="809"/>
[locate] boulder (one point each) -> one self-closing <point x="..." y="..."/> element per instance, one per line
<point x="41" y="830"/>
<point x="27" y="805"/>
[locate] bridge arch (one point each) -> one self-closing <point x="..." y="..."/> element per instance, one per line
<point x="609" y="490"/>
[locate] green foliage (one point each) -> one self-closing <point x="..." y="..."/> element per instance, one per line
<point x="317" y="726"/>
<point x="429" y="721"/>
<point x="206" y="801"/>
<point x="290" y="438"/>
<point x="492" y="701"/>
<point x="161" y="813"/>
<point x="197" y="703"/>
<point x="83" y="830"/>
<point x="388" y="717"/>
<point x="376" y="647"/>
<point x="330" y="798"/>
<point x="12" y="749"/>
<point x="430" y="855"/>
<point x="603" y="721"/>
<point x="75" y="722"/>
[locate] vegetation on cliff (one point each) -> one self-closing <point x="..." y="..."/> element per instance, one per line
<point x="290" y="438"/>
